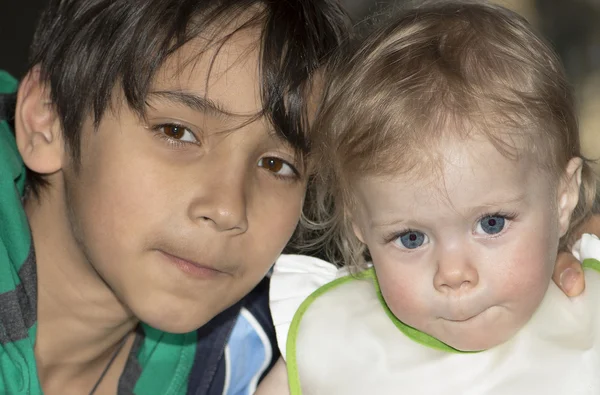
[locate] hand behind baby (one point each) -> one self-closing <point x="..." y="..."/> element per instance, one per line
<point x="568" y="273"/>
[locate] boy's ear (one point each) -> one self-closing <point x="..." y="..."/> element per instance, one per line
<point x="37" y="126"/>
<point x="568" y="193"/>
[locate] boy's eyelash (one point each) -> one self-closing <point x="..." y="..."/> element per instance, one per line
<point x="297" y="174"/>
<point x="177" y="144"/>
<point x="174" y="143"/>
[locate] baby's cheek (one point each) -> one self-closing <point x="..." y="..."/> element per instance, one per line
<point x="405" y="299"/>
<point x="527" y="275"/>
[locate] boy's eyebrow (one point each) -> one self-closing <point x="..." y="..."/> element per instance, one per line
<point x="203" y="104"/>
<point x="193" y="101"/>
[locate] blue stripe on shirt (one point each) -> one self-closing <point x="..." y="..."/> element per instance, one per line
<point x="248" y="354"/>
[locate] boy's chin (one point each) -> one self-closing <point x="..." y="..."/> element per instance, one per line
<point x="176" y="320"/>
<point x="178" y="325"/>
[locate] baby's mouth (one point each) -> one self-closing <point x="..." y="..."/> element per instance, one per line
<point x="463" y="317"/>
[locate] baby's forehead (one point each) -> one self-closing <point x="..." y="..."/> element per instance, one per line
<point x="461" y="173"/>
<point x="431" y="154"/>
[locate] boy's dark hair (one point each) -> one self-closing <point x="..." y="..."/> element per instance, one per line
<point x="84" y="48"/>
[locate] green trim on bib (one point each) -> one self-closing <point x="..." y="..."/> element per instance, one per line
<point x="591" y="263"/>
<point x="412" y="333"/>
<point x="290" y="346"/>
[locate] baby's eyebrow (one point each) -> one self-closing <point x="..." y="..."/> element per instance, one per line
<point x="508" y="200"/>
<point x="375" y="223"/>
<point x="191" y="100"/>
<point x="493" y="204"/>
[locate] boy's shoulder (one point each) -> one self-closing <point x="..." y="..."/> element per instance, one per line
<point x="17" y="260"/>
<point x="15" y="240"/>
<point x="10" y="160"/>
<point x="8" y="83"/>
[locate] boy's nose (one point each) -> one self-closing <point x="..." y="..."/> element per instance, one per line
<point x="455" y="273"/>
<point x="221" y="202"/>
<point x="223" y="217"/>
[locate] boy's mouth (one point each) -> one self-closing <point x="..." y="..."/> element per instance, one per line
<point x="191" y="267"/>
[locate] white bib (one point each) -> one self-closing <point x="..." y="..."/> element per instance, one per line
<point x="343" y="342"/>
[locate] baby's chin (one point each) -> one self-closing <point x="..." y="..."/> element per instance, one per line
<point x="475" y="344"/>
<point x="476" y="336"/>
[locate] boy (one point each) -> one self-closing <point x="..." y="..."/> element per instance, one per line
<point x="164" y="147"/>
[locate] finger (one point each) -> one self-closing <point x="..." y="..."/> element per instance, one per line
<point x="568" y="274"/>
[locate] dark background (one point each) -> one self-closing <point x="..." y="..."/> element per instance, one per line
<point x="571" y="25"/>
<point x="17" y="22"/>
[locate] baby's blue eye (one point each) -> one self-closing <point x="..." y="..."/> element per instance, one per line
<point x="491" y="224"/>
<point x="411" y="239"/>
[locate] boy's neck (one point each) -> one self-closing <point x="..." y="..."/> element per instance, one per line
<point x="80" y="319"/>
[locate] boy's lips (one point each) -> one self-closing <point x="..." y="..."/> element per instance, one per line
<point x="191" y="267"/>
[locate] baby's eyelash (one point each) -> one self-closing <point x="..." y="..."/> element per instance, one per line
<point x="394" y="235"/>
<point x="511" y="216"/>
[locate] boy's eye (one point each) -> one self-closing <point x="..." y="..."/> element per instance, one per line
<point x="411" y="239"/>
<point x="277" y="166"/>
<point x="491" y="224"/>
<point x="179" y="133"/>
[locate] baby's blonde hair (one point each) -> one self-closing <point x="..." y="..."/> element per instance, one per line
<point x="448" y="67"/>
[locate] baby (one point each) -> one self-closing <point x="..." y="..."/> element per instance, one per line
<point x="449" y="148"/>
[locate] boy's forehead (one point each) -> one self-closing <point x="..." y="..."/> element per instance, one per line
<point x="223" y="70"/>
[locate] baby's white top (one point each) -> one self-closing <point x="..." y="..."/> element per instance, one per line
<point x="345" y="343"/>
